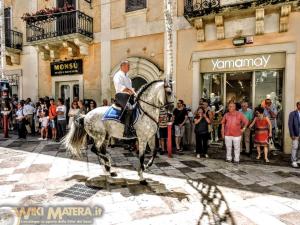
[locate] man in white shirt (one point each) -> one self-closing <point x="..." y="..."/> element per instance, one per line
<point x="124" y="96"/>
<point x="61" y="118"/>
<point x="29" y="111"/>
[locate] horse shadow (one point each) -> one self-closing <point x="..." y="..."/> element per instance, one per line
<point x="215" y="208"/>
<point x="112" y="184"/>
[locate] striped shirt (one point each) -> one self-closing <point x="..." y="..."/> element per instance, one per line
<point x="163" y="118"/>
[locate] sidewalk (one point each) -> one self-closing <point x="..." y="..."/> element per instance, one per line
<point x="182" y="190"/>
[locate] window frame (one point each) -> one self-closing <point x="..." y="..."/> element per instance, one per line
<point x="129" y="8"/>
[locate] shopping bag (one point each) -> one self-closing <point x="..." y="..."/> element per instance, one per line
<point x="28" y="128"/>
<point x="271" y="145"/>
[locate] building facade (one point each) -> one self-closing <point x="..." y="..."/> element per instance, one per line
<point x="223" y="49"/>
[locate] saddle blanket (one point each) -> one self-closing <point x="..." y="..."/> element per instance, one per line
<point x="115" y="113"/>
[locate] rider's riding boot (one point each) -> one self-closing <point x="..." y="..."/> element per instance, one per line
<point x="128" y="131"/>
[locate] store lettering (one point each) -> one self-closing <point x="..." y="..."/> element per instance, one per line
<point x="66" y="66"/>
<point x="241" y="63"/>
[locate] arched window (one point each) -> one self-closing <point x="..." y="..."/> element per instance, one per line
<point x="133" y="5"/>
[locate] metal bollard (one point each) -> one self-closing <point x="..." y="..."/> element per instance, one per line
<point x="169" y="143"/>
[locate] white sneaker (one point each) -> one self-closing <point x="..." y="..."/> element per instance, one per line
<point x="41" y="139"/>
<point x="45" y="139"/>
<point x="206" y="156"/>
<point x="198" y="156"/>
<point x="295" y="164"/>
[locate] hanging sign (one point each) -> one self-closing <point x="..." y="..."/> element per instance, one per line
<point x="67" y="67"/>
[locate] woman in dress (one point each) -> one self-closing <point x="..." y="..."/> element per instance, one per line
<point x="73" y="112"/>
<point x="263" y="131"/>
<point x="201" y="122"/>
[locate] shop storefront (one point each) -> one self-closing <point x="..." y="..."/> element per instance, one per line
<point x="67" y="81"/>
<point x="248" y="74"/>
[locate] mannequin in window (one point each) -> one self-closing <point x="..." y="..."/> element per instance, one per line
<point x="212" y="98"/>
<point x="205" y="94"/>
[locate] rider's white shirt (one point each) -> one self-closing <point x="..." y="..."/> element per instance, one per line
<point x="121" y="81"/>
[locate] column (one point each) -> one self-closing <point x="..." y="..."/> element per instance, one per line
<point x="170" y="45"/>
<point x="289" y="97"/>
<point x="105" y="50"/>
<point x="196" y="85"/>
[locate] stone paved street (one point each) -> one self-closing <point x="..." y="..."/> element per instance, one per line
<point x="181" y="190"/>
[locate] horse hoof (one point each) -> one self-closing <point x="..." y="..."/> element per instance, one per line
<point x="113" y="174"/>
<point x="143" y="182"/>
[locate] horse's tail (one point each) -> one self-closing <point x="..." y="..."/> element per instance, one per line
<point x="76" y="137"/>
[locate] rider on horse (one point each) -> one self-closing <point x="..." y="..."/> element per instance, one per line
<point x="125" y="97"/>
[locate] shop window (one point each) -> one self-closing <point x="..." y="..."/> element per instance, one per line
<point x="65" y="92"/>
<point x="133" y="5"/>
<point x="76" y="91"/>
<point x="213" y="89"/>
<point x="268" y="84"/>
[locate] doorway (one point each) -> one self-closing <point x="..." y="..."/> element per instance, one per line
<point x="68" y="91"/>
<point x="239" y="87"/>
<point x="138" y="82"/>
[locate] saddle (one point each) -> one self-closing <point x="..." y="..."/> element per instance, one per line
<point x="116" y="113"/>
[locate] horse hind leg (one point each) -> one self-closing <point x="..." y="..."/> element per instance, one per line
<point x="105" y="160"/>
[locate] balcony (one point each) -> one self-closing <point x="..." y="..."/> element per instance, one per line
<point x="72" y="29"/>
<point x="201" y="8"/>
<point x="13" y="44"/>
<point x="200" y="12"/>
<point x="14" y="40"/>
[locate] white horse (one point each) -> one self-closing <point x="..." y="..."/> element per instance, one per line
<point x="150" y="99"/>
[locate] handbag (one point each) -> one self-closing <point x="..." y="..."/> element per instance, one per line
<point x="271" y="145"/>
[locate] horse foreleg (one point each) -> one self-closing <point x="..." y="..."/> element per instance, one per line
<point x="142" y="147"/>
<point x="154" y="152"/>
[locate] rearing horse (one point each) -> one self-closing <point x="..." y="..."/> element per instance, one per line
<point x="150" y="99"/>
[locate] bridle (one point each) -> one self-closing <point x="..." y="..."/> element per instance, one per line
<point x="153" y="105"/>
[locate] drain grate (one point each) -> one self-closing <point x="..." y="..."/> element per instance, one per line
<point x="78" y="192"/>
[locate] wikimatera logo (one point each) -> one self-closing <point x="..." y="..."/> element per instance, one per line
<point x="260" y="61"/>
<point x="54" y="215"/>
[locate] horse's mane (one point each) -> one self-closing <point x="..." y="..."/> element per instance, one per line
<point x="145" y="87"/>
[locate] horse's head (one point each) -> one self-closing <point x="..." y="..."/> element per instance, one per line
<point x="166" y="96"/>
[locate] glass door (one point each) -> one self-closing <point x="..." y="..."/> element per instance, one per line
<point x="239" y="87"/>
<point x="68" y="91"/>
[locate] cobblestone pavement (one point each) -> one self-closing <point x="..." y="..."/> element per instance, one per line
<point x="181" y="190"/>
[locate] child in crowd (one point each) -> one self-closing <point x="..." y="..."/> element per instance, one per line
<point x="44" y="120"/>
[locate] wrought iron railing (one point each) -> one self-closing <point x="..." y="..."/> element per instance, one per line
<point x="198" y="8"/>
<point x="133" y="5"/>
<point x="59" y="24"/>
<point x="13" y="39"/>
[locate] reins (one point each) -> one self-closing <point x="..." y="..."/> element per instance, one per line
<point x="150" y="104"/>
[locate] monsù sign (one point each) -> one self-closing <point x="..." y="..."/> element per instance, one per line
<point x="251" y="62"/>
<point x="66" y="67"/>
